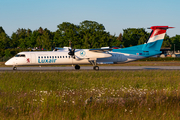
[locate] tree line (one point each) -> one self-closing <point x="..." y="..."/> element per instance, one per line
<point x="88" y="34"/>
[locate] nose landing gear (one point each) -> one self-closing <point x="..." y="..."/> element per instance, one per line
<point x="14" y="68"/>
<point x="94" y="63"/>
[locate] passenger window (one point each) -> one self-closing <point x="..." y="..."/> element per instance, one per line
<point x="52" y="56"/>
<point x="69" y="56"/>
<point x="55" y="56"/>
<point x="38" y="56"/>
<point x="44" y="56"/>
<point x="41" y="56"/>
<point x="47" y="56"/>
<point x="58" y="56"/>
<point x="66" y="56"/>
<point x="63" y="56"/>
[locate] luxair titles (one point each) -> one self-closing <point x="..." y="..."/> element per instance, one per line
<point x="47" y="60"/>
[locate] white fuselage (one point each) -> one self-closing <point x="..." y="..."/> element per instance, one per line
<point x="62" y="58"/>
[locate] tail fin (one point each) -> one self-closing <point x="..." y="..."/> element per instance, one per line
<point x="155" y="40"/>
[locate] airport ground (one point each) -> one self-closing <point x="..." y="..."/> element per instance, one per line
<point x="141" y="94"/>
<point x="138" y="65"/>
<point x="135" y="63"/>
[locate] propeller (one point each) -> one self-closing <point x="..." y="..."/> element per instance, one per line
<point x="71" y="50"/>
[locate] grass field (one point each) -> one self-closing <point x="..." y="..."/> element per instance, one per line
<point x="90" y="95"/>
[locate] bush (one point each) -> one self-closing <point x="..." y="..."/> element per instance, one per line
<point x="161" y="59"/>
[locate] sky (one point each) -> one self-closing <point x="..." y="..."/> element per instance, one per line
<point x="115" y="15"/>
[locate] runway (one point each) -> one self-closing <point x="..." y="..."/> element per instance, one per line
<point x="69" y="68"/>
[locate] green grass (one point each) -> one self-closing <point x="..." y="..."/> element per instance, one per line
<point x="143" y="94"/>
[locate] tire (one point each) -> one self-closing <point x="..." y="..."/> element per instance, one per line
<point x="14" y="68"/>
<point x="96" y="67"/>
<point x="77" y="67"/>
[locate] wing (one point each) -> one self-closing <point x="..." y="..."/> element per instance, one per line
<point x="100" y="50"/>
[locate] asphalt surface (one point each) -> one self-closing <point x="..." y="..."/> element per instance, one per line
<point x="69" y="68"/>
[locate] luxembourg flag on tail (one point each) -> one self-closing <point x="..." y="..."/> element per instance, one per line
<point x="155" y="40"/>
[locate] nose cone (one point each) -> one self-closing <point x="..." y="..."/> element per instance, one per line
<point x="8" y="62"/>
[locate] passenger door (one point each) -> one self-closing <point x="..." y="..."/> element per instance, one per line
<point x="33" y="58"/>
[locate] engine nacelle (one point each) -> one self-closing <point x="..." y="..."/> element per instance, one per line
<point x="84" y="54"/>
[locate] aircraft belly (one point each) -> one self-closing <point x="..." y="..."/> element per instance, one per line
<point x="120" y="58"/>
<point x="105" y="59"/>
<point x="130" y="57"/>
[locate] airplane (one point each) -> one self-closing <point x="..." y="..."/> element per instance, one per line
<point x="77" y="57"/>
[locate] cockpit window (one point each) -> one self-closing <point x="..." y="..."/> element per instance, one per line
<point x="20" y="55"/>
<point x="17" y="55"/>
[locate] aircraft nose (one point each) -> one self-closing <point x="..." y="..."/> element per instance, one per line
<point x="8" y="62"/>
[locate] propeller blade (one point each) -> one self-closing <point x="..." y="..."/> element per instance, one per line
<point x="71" y="50"/>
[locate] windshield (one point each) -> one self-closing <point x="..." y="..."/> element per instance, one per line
<point x="20" y="55"/>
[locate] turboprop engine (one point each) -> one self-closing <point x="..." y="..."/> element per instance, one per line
<point x="86" y="53"/>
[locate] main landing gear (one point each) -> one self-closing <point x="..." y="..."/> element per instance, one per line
<point x="95" y="67"/>
<point x="77" y="67"/>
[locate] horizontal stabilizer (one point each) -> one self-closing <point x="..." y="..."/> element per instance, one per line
<point x="160" y="27"/>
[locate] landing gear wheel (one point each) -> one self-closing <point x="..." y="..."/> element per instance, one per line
<point x="14" y="68"/>
<point x="77" y="67"/>
<point x="96" y="67"/>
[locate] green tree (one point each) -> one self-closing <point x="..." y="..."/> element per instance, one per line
<point x="1" y="52"/>
<point x="7" y="53"/>
<point x="57" y="39"/>
<point x="46" y="40"/>
<point x="68" y="31"/>
<point x="14" y="40"/>
<point x="4" y="39"/>
<point x="118" y="41"/>
<point x="93" y="34"/>
<point x="20" y="38"/>
<point x="133" y="36"/>
<point x="175" y="41"/>
<point x="29" y="41"/>
<point x="35" y="39"/>
<point x="166" y="42"/>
